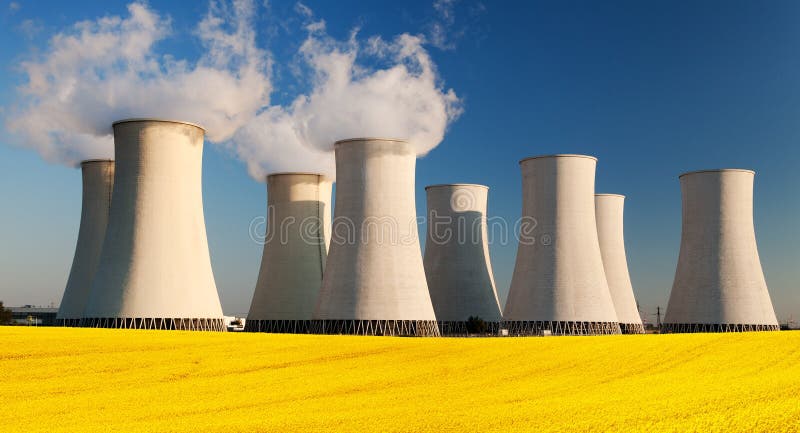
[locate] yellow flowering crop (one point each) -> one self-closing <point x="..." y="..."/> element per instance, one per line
<point x="97" y="380"/>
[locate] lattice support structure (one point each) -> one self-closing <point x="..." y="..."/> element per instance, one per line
<point x="175" y="324"/>
<point x="523" y="328"/>
<point x="68" y="323"/>
<point x="404" y="328"/>
<point x="459" y="329"/>
<point x="278" y="326"/>
<point x="632" y="328"/>
<point x="675" y="328"/>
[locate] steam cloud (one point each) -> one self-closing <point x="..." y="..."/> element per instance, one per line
<point x="104" y="70"/>
<point x="100" y="71"/>
<point x="402" y="99"/>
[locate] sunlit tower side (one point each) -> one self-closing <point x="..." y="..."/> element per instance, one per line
<point x="98" y="182"/>
<point x="295" y="249"/>
<point x="155" y="270"/>
<point x="609" y="210"/>
<point x="374" y="281"/>
<point x="559" y="284"/>
<point x="719" y="284"/>
<point x="457" y="263"/>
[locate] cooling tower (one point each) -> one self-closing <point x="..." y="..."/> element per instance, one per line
<point x="559" y="284"/>
<point x="608" y="211"/>
<point x="298" y="225"/>
<point x="98" y="181"/>
<point x="719" y="285"/>
<point x="155" y="270"/>
<point x="374" y="282"/>
<point x="457" y="264"/>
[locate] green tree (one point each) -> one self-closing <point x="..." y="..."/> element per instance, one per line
<point x="5" y="315"/>
<point x="476" y="325"/>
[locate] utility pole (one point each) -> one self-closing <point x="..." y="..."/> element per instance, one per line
<point x="658" y="318"/>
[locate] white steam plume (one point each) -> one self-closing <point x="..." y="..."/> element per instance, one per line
<point x="269" y="144"/>
<point x="401" y="97"/>
<point x="104" y="70"/>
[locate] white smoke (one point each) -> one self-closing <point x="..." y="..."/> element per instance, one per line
<point x="109" y="69"/>
<point x="401" y="97"/>
<point x="104" y="70"/>
<point x="440" y="29"/>
<point x="270" y="144"/>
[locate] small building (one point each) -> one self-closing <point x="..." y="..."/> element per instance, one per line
<point x="234" y="323"/>
<point x="34" y="316"/>
<point x="374" y="280"/>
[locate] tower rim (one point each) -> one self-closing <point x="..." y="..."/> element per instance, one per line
<point x="558" y="155"/>
<point x="295" y="173"/>
<point x="95" y="160"/>
<point x="350" y="140"/>
<point x="445" y="185"/>
<point x="717" y="170"/>
<point x="156" y="119"/>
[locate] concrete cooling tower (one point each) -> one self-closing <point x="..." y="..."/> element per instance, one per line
<point x="608" y="211"/>
<point x="98" y="181"/>
<point x="457" y="263"/>
<point x="374" y="282"/>
<point x="559" y="284"/>
<point x="295" y="248"/>
<point x="719" y="285"/>
<point x="155" y="270"/>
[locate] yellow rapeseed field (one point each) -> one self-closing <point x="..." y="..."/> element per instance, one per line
<point x="94" y="380"/>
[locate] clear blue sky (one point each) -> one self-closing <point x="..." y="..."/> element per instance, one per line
<point x="652" y="89"/>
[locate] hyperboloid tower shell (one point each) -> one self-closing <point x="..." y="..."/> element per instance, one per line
<point x="155" y="270"/>
<point x="609" y="211"/>
<point x="457" y="263"/>
<point x="719" y="285"/>
<point x="295" y="248"/>
<point x="98" y="181"/>
<point x="374" y="282"/>
<point x="559" y="284"/>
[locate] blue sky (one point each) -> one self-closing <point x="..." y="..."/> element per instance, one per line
<point x="652" y="89"/>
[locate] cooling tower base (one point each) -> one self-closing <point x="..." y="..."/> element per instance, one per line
<point x="278" y="326"/>
<point x="460" y="329"/>
<point x="631" y="328"/>
<point x="676" y="328"/>
<point x="175" y="324"/>
<point x="521" y="328"/>
<point x="408" y="328"/>
<point x="69" y="323"/>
